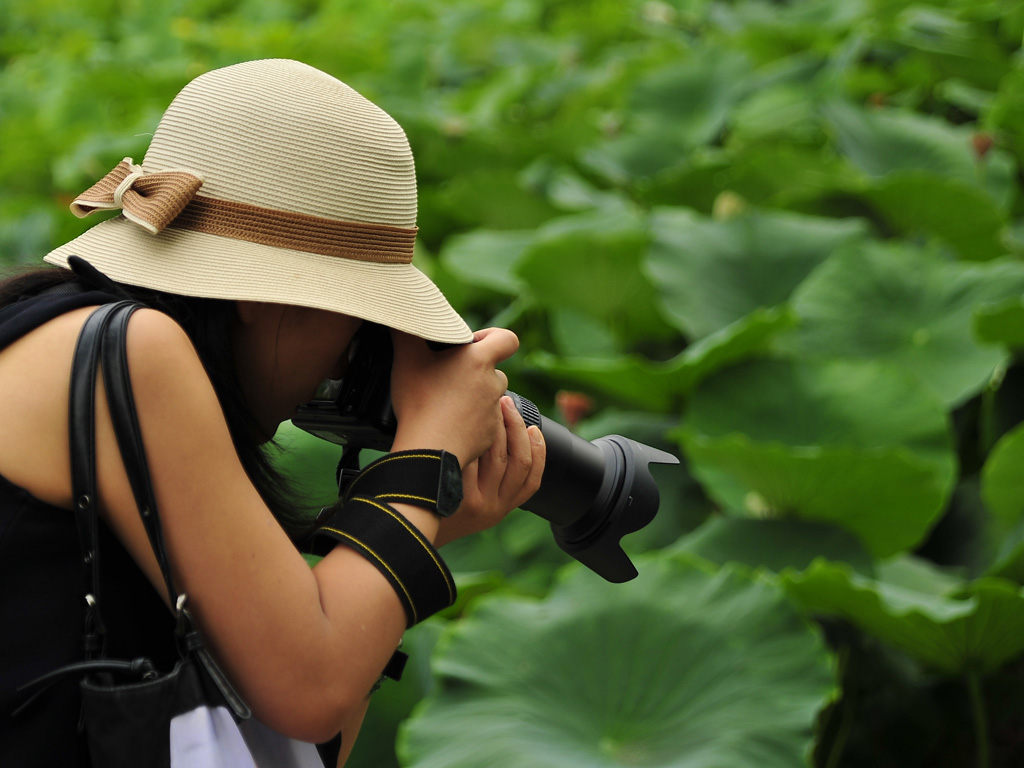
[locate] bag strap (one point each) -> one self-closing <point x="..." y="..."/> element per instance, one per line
<point x="121" y="402"/>
<point x="103" y="342"/>
<point x="82" y="444"/>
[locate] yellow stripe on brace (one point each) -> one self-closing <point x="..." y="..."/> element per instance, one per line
<point x="408" y="597"/>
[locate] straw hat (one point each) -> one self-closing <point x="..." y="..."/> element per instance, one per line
<point x="271" y="181"/>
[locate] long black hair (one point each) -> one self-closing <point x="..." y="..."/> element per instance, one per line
<point x="208" y="323"/>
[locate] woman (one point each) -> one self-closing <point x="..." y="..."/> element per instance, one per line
<point x="273" y="214"/>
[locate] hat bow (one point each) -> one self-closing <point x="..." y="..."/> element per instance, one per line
<point x="151" y="200"/>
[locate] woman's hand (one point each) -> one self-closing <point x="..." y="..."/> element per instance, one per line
<point x="449" y="399"/>
<point x="503" y="478"/>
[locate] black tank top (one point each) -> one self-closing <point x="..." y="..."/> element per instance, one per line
<point x="42" y="595"/>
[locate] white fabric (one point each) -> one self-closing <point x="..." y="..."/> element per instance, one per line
<point x="272" y="750"/>
<point x="209" y="738"/>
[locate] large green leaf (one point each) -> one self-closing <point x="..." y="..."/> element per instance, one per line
<point x="1001" y="323"/>
<point x="309" y="464"/>
<point x="672" y="109"/>
<point x="694" y="96"/>
<point x="885" y="141"/>
<point x="919" y="203"/>
<point x="591" y="262"/>
<point x="908" y="307"/>
<point x="660" y="386"/>
<point x="680" y="668"/>
<point x="954" y="627"/>
<point x="1003" y="493"/>
<point x="774" y="544"/>
<point x="855" y="444"/>
<point x="711" y="273"/>
<point x="487" y="258"/>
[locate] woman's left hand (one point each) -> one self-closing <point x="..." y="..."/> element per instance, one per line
<point x="503" y="478"/>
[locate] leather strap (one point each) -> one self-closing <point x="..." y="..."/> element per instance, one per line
<point x="103" y="342"/>
<point x="121" y="402"/>
<point x="81" y="438"/>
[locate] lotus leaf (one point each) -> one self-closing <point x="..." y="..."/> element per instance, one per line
<point x="922" y="611"/>
<point x="856" y="444"/>
<point x="908" y="307"/>
<point x="680" y="668"/>
<point x="712" y="273"/>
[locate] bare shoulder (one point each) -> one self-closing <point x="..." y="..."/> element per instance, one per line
<point x="160" y="353"/>
<point x="155" y="336"/>
<point x="35" y="372"/>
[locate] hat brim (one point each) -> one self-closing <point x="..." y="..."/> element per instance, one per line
<point x="208" y="266"/>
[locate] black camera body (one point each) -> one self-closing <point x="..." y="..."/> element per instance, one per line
<point x="592" y="493"/>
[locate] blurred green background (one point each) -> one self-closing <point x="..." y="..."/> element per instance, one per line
<point x="782" y="240"/>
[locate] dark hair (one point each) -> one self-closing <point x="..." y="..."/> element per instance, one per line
<point x="208" y="323"/>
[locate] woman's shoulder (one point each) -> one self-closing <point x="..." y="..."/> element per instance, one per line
<point x="35" y="373"/>
<point x="155" y="338"/>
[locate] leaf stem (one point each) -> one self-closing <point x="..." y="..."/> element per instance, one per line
<point x="981" y="747"/>
<point x="842" y="734"/>
<point x="846" y="715"/>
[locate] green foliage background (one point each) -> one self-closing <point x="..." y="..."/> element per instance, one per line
<point x="780" y="239"/>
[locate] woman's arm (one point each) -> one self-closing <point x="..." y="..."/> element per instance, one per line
<point x="303" y="645"/>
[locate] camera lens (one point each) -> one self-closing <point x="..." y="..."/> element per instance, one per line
<point x="594" y="493"/>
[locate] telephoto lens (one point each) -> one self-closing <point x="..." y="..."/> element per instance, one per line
<point x="594" y="493"/>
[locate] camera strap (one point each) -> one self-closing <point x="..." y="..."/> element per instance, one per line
<point x="404" y="556"/>
<point x="424" y="478"/>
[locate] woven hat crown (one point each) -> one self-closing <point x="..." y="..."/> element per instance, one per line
<point x="271" y="181"/>
<point x="283" y="135"/>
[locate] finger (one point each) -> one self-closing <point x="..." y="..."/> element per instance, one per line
<point x="519" y="450"/>
<point x="539" y="450"/>
<point x="492" y="462"/>
<point x="499" y="343"/>
<point x="470" y="478"/>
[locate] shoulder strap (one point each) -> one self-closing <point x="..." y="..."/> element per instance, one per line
<point x="103" y="342"/>
<point x="81" y="437"/>
<point x="121" y="401"/>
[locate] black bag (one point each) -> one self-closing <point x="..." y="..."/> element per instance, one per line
<point x="127" y="705"/>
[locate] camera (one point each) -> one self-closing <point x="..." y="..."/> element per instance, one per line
<point x="592" y="493"/>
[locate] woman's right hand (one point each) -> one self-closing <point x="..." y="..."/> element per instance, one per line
<point x="450" y="399"/>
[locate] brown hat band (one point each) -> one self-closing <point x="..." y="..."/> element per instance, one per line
<point x="167" y="199"/>
<point x="298" y="231"/>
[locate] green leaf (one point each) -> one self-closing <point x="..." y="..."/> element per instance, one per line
<point x="493" y="198"/>
<point x="309" y="463"/>
<point x="885" y="141"/>
<point x="907" y="307"/>
<point x="636" y="380"/>
<point x="487" y="258"/>
<point x="953" y="627"/>
<point x="1001" y="323"/>
<point x="774" y="544"/>
<point x="855" y="444"/>
<point x="678" y="668"/>
<point x="712" y="273"/>
<point x="695" y="97"/>
<point x="672" y="110"/>
<point x="952" y="210"/>
<point x="1003" y="494"/>
<point x="591" y="263"/>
